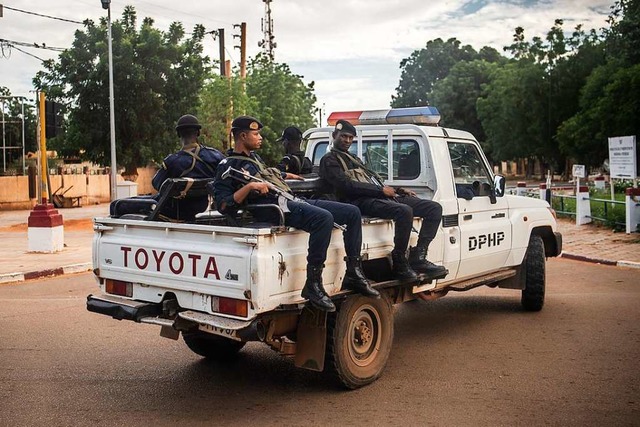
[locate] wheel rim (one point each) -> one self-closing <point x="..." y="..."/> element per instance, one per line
<point x="364" y="335"/>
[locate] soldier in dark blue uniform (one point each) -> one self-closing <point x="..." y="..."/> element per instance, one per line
<point x="194" y="160"/>
<point x="316" y="217"/>
<point x="294" y="160"/>
<point x="353" y="182"/>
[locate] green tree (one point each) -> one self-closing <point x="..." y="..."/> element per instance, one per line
<point x="608" y="103"/>
<point x="278" y="98"/>
<point x="513" y="113"/>
<point x="12" y="115"/>
<point x="157" y="78"/>
<point x="456" y="95"/>
<point x="425" y="67"/>
<point x="221" y="99"/>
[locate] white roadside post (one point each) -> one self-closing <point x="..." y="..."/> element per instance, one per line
<point x="632" y="209"/>
<point x="583" y="204"/>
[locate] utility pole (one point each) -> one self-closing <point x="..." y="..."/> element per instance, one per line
<point x="242" y="47"/>
<point x="267" y="44"/>
<point x="223" y="66"/>
<point x="43" y="152"/>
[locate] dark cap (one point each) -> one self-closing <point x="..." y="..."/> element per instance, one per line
<point x="345" y="126"/>
<point x="245" y="123"/>
<point x="291" y="133"/>
<point x="187" y="121"/>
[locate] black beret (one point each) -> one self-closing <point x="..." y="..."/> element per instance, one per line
<point x="346" y="127"/>
<point x="245" y="123"/>
<point x="188" y="121"/>
<point x="291" y="133"/>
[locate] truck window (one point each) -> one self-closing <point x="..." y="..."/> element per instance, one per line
<point x="406" y="157"/>
<point x="469" y="171"/>
<point x="321" y="149"/>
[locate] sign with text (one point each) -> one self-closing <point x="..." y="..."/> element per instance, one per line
<point x="579" y="171"/>
<point x="622" y="157"/>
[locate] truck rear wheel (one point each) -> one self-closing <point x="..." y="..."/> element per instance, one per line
<point x="359" y="339"/>
<point x="211" y="346"/>
<point x="534" y="268"/>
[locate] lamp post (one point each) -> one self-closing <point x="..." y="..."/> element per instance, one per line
<point x="106" y="4"/>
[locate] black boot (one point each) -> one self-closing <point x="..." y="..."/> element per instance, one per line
<point x="401" y="269"/>
<point x="355" y="279"/>
<point x="418" y="261"/>
<point x="313" y="290"/>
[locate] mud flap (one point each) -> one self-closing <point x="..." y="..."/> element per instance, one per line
<point x="169" y="332"/>
<point x="312" y="339"/>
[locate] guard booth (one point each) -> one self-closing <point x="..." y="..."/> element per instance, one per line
<point x="126" y="189"/>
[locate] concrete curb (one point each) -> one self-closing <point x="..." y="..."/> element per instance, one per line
<point x="630" y="264"/>
<point x="51" y="272"/>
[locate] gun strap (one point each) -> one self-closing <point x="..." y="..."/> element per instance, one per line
<point x="373" y="175"/>
<point x="195" y="157"/>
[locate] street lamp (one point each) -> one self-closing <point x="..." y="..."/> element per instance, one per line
<point x="106" y="4"/>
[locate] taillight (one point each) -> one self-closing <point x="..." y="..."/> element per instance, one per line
<point x="117" y="287"/>
<point x="235" y="307"/>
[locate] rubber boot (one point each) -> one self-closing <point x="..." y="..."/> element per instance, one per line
<point x="313" y="290"/>
<point x="355" y="279"/>
<point x="401" y="269"/>
<point x="418" y="262"/>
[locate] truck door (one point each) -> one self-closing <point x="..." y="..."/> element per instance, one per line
<point x="485" y="228"/>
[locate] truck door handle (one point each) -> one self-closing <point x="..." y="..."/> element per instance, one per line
<point x="498" y="215"/>
<point x="467" y="217"/>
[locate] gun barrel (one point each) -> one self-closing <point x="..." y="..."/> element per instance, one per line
<point x="273" y="188"/>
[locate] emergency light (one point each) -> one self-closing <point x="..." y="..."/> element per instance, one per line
<point x="412" y="115"/>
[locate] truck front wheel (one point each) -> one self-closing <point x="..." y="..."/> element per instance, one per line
<point x="534" y="269"/>
<point x="359" y="339"/>
<point x="212" y="346"/>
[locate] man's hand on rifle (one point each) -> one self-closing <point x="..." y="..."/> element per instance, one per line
<point x="293" y="176"/>
<point x="389" y="191"/>
<point x="404" y="192"/>
<point x="260" y="187"/>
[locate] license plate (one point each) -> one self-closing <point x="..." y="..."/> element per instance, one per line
<point x="227" y="333"/>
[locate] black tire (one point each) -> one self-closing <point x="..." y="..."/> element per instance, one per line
<point x="211" y="346"/>
<point x="534" y="272"/>
<point x="359" y="340"/>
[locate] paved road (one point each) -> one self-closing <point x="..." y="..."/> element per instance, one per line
<point x="467" y="359"/>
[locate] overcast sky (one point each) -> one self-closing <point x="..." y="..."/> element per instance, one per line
<point x="350" y="48"/>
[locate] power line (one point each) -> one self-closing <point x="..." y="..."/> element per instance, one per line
<point x="36" y="45"/>
<point x="44" y="16"/>
<point x="26" y="53"/>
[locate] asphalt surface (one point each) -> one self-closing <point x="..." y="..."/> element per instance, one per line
<point x="469" y="359"/>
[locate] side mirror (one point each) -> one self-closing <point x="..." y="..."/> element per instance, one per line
<point x="499" y="183"/>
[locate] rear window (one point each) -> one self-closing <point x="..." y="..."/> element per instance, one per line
<point x="406" y="157"/>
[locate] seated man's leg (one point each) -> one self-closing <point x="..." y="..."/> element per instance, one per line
<point x="431" y="214"/>
<point x="402" y="215"/>
<point x="319" y="224"/>
<point x="349" y="215"/>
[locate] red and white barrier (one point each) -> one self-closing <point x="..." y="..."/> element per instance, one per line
<point x="45" y="229"/>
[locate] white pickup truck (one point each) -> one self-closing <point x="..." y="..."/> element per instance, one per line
<point x="222" y="282"/>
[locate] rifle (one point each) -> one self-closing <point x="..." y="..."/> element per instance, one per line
<point x="279" y="192"/>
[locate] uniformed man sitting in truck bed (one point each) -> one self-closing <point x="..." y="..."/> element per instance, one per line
<point x="353" y="182"/>
<point x="316" y="217"/>
<point x="194" y="160"/>
<point x="294" y="160"/>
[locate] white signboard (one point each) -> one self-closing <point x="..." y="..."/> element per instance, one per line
<point x="579" y="171"/>
<point x="622" y="157"/>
